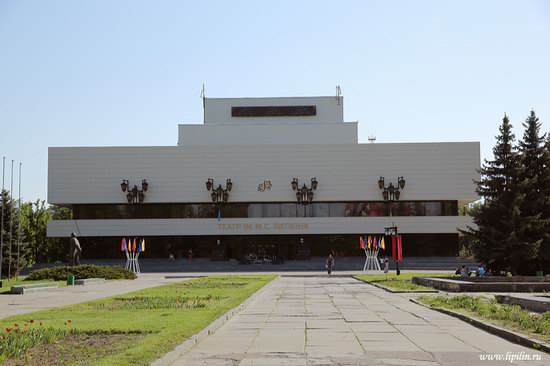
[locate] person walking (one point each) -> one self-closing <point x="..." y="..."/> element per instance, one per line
<point x="190" y="254"/>
<point x="329" y="264"/>
<point x="74" y="250"/>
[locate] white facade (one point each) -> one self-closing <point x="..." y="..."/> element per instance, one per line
<point x="253" y="150"/>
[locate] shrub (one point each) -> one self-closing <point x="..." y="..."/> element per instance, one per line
<point x="81" y="272"/>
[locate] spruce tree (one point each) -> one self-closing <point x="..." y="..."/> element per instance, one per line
<point x="9" y="232"/>
<point x="496" y="238"/>
<point x="532" y="187"/>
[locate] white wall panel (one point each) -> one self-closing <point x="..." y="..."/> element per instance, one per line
<point x="263" y="226"/>
<point x="261" y="134"/>
<point x="433" y="171"/>
<point x="218" y="110"/>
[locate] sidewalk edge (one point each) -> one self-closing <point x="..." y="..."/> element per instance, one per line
<point x="509" y="335"/>
<point x="169" y="358"/>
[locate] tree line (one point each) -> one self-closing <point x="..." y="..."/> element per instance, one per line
<point x="27" y="237"/>
<point x="513" y="219"/>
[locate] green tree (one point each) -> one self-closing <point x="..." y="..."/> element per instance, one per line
<point x="58" y="247"/>
<point x="495" y="240"/>
<point x="34" y="221"/>
<point x="14" y="243"/>
<point x="534" y="188"/>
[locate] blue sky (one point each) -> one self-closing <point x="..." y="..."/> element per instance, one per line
<point x="100" y="73"/>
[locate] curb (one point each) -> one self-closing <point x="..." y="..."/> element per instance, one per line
<point x="396" y="291"/>
<point x="172" y="356"/>
<point x="509" y="335"/>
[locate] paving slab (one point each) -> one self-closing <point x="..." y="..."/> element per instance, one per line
<point x="314" y="321"/>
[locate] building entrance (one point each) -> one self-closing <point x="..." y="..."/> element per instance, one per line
<point x="269" y="247"/>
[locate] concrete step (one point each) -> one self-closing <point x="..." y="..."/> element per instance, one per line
<point x="314" y="264"/>
<point x="35" y="287"/>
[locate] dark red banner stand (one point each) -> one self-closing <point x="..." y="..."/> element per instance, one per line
<point x="396" y="246"/>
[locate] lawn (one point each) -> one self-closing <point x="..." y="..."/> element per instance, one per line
<point x="6" y="286"/>
<point x="138" y="327"/>
<point x="512" y="317"/>
<point x="401" y="282"/>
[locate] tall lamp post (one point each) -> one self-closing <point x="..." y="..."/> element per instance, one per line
<point x="304" y="195"/>
<point x="134" y="194"/>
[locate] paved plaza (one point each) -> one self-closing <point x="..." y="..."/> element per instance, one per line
<point x="307" y="320"/>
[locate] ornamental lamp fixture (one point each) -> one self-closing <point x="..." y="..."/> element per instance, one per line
<point x="209" y="184"/>
<point x="219" y="195"/>
<point x="314" y="183"/>
<point x="304" y="195"/>
<point x="294" y="184"/>
<point x="391" y="192"/>
<point x="134" y="195"/>
<point x="124" y="185"/>
<point x="401" y="182"/>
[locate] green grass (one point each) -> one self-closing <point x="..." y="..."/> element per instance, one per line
<point x="512" y="317"/>
<point x="167" y="314"/>
<point x="6" y="286"/>
<point x="401" y="282"/>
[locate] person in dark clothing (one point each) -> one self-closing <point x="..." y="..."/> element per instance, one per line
<point x="329" y="264"/>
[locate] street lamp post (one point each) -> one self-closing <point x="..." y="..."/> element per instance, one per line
<point x="304" y="195"/>
<point x="134" y="194"/>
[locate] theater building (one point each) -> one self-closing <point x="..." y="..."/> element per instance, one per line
<point x="275" y="177"/>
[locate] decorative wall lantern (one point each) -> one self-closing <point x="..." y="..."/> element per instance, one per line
<point x="219" y="194"/>
<point x="391" y="192"/>
<point x="134" y="194"/>
<point x="304" y="195"/>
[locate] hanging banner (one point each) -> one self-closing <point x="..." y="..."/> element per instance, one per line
<point x="399" y="249"/>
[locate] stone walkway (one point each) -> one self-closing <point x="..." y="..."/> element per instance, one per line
<point x="341" y="321"/>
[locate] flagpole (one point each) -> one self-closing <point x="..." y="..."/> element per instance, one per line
<point x="2" y="220"/>
<point x="11" y="223"/>
<point x="19" y="227"/>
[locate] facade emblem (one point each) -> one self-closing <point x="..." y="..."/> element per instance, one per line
<point x="265" y="186"/>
